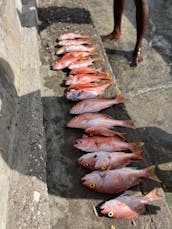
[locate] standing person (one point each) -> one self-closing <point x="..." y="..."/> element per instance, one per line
<point x="141" y="20"/>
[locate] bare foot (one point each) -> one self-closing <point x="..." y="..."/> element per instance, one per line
<point x="111" y="36"/>
<point x="137" y="58"/>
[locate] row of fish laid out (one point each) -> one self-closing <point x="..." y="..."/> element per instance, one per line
<point x="78" y="56"/>
<point x="105" y="147"/>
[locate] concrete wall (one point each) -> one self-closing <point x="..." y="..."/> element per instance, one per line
<point x="23" y="191"/>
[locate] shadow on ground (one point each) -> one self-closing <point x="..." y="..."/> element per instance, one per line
<point x="63" y="173"/>
<point x="63" y="14"/>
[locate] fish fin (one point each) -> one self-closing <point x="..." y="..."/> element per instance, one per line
<point x="89" y="130"/>
<point x="150" y="173"/>
<point x="154" y="195"/>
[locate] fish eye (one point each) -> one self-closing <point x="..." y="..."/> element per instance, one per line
<point x="95" y="155"/>
<point x="104" y="167"/>
<point x="85" y="164"/>
<point x="110" y="214"/>
<point x="92" y="185"/>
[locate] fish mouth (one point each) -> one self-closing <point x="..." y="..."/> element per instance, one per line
<point x="83" y="179"/>
<point x="79" y="162"/>
<point x="78" y="141"/>
<point x="76" y="145"/>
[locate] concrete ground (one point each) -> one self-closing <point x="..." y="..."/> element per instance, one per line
<point x="147" y="102"/>
<point x="147" y="88"/>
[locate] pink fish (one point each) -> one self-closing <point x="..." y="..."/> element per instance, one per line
<point x="84" y="85"/>
<point x="118" y="180"/>
<point x="84" y="121"/>
<point x="65" y="61"/>
<point x="101" y="131"/>
<point x="94" y="105"/>
<point x="86" y="91"/>
<point x="67" y="36"/>
<point x="126" y="207"/>
<point x="106" y="160"/>
<point x="85" y="78"/>
<point x="84" y="63"/>
<point x="69" y="58"/>
<point x="72" y="48"/>
<point x="74" y="42"/>
<point x="86" y="70"/>
<point x="107" y="144"/>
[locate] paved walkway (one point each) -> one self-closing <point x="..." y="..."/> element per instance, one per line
<point x="148" y="101"/>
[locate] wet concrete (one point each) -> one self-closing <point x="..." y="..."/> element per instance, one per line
<point x="71" y="205"/>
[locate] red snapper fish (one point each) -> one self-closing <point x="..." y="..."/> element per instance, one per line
<point x="126" y="207"/>
<point x="117" y="180"/>
<point x="95" y="105"/>
<point x="106" y="160"/>
<point x="85" y="78"/>
<point x="101" y="131"/>
<point x="67" y="36"/>
<point x="69" y="58"/>
<point x="83" y="70"/>
<point x="84" y="63"/>
<point x="74" y="42"/>
<point x="72" y="48"/>
<point x="84" y="121"/>
<point x="107" y="144"/>
<point x="86" y="91"/>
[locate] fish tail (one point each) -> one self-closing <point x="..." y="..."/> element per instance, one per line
<point x="54" y="67"/>
<point x="94" y="49"/>
<point x="154" y="195"/>
<point x="100" y="70"/>
<point x="125" y="123"/>
<point x="111" y="82"/>
<point x="95" y="52"/>
<point x="107" y="76"/>
<point x="138" y="155"/>
<point x="119" y="98"/>
<point x="56" y="52"/>
<point x="60" y="50"/>
<point x="150" y="173"/>
<point x="135" y="146"/>
<point x="119" y="134"/>
<point x="88" y="42"/>
<point x="97" y="59"/>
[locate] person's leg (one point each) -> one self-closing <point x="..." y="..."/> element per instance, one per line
<point x="118" y="7"/>
<point x="141" y="20"/>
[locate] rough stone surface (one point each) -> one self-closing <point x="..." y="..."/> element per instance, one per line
<point x="23" y="192"/>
